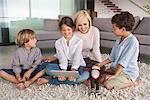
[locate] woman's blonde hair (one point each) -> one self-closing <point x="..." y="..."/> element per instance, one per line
<point x="23" y="36"/>
<point x="80" y="15"/>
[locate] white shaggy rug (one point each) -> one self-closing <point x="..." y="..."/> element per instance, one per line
<point x="8" y="91"/>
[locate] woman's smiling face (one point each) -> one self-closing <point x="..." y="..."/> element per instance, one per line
<point x="83" y="25"/>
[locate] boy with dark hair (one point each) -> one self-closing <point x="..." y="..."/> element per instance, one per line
<point x="124" y="54"/>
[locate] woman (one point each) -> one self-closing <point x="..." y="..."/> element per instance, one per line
<point x="91" y="40"/>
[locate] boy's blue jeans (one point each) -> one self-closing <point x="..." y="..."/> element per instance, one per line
<point x="84" y="75"/>
<point x="37" y="70"/>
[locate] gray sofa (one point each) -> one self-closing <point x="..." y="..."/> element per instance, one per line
<point x="141" y="30"/>
<point x="48" y="36"/>
<point x="50" y="33"/>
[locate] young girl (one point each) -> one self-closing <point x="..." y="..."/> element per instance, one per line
<point x="25" y="66"/>
<point x="69" y="54"/>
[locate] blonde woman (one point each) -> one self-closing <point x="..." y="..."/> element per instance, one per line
<point x="91" y="40"/>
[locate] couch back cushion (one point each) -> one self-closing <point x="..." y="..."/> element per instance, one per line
<point x="61" y="16"/>
<point x="137" y="20"/>
<point x="103" y="24"/>
<point x="32" y="23"/>
<point x="143" y="27"/>
<point x="51" y="24"/>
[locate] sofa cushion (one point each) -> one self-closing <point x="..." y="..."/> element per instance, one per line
<point x="51" y="24"/>
<point x="143" y="27"/>
<point x="137" y="20"/>
<point x="104" y="24"/>
<point x="143" y="39"/>
<point x="107" y="35"/>
<point x="31" y="23"/>
<point x="47" y="35"/>
<point x="46" y="44"/>
<point x="61" y="16"/>
<point x="106" y="43"/>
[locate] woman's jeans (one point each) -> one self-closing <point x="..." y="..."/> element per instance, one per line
<point x="83" y="75"/>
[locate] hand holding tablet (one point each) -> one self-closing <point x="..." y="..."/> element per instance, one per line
<point x="64" y="73"/>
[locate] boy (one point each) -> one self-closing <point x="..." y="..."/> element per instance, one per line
<point x="124" y="54"/>
<point x="25" y="69"/>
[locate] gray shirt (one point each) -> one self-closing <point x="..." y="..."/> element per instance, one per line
<point x="25" y="59"/>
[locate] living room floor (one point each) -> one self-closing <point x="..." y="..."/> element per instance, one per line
<point x="7" y="53"/>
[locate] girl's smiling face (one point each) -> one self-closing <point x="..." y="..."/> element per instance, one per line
<point x="67" y="31"/>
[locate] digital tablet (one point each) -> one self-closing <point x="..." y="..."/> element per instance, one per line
<point x="64" y="73"/>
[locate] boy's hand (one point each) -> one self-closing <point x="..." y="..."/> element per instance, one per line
<point x="48" y="58"/>
<point x="26" y="75"/>
<point x="108" y="77"/>
<point x="18" y="77"/>
<point x="99" y="64"/>
<point x="95" y="67"/>
<point x="28" y="83"/>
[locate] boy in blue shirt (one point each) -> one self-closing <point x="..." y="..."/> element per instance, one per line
<point x="124" y="54"/>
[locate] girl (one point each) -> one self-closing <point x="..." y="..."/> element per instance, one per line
<point x="69" y="54"/>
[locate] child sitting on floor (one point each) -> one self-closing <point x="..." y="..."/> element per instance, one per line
<point x="26" y="66"/>
<point x="69" y="54"/>
<point x="124" y="54"/>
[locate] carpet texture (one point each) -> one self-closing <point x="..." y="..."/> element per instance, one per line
<point x="8" y="91"/>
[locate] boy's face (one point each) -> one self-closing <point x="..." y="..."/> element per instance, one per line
<point x="32" y="42"/>
<point x="116" y="30"/>
<point x="67" y="31"/>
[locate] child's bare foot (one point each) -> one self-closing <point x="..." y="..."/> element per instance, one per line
<point x="71" y="78"/>
<point x="61" y="78"/>
<point x="41" y="81"/>
<point x="28" y="83"/>
<point x="21" y="86"/>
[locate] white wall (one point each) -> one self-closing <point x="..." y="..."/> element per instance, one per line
<point x="125" y="5"/>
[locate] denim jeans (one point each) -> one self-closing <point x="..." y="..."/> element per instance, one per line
<point x="83" y="75"/>
<point x="37" y="70"/>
